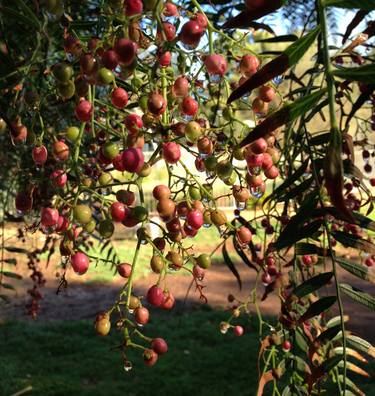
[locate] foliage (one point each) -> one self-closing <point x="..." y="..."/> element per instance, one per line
<point x="96" y="83"/>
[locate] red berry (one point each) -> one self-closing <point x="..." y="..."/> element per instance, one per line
<point x="259" y="146"/>
<point x="133" y="160"/>
<point x="170" y="9"/>
<point x="194" y="219"/>
<point x="118" y="211"/>
<point x="126" y="51"/>
<point x="84" y="110"/>
<point x="164" y="58"/>
<point x="156" y="104"/>
<point x="40" y="155"/>
<point x="238" y="331"/>
<point x="161" y="192"/>
<point x="133" y="123"/>
<point x="141" y="315"/>
<point x="244" y="235"/>
<point x="181" y="86"/>
<point x="124" y="270"/>
<point x="191" y="33"/>
<point x="369" y="262"/>
<point x="201" y="19"/>
<point x="189" y="106"/>
<point x="215" y="64"/>
<point x="80" y="263"/>
<point x="169" y="31"/>
<point x="133" y="7"/>
<point x="159" y="346"/>
<point x="249" y="65"/>
<point x="307" y="259"/>
<point x="59" y="178"/>
<point x="119" y="98"/>
<point x="169" y="300"/>
<point x="110" y="59"/>
<point x="271" y="173"/>
<point x="60" y="150"/>
<point x="62" y="224"/>
<point x="286" y="346"/>
<point x="171" y="152"/>
<point x="150" y="357"/>
<point x="267" y="93"/>
<point x="155" y="296"/>
<point x="49" y="217"/>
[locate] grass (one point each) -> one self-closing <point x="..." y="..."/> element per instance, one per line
<point x="67" y="358"/>
<point x="102" y="272"/>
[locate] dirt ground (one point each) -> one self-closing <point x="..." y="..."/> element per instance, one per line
<point x="84" y="300"/>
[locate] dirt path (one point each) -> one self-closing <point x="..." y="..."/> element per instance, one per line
<point x="83" y="301"/>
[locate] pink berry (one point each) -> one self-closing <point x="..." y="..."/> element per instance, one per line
<point x="126" y="51"/>
<point x="155" y="296"/>
<point x="159" y="346"/>
<point x="238" y="331"/>
<point x="59" y="178"/>
<point x="195" y="219"/>
<point x="80" y="263"/>
<point x="118" y="211"/>
<point x="119" y="98"/>
<point x="124" y="270"/>
<point x="189" y="106"/>
<point x="171" y="152"/>
<point x="83" y="111"/>
<point x="133" y="160"/>
<point x="49" y="217"/>
<point x="40" y="155"/>
<point x="133" y="123"/>
<point x="215" y="64"/>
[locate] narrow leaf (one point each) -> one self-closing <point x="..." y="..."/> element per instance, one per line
<point x="308" y="231"/>
<point x="357" y="270"/>
<point x="350" y="384"/>
<point x="277" y="66"/>
<point x="11" y="274"/>
<point x="361" y="345"/>
<point x="358" y="296"/>
<point x="279" y="39"/>
<point x="231" y="266"/>
<point x="365" y="73"/>
<point x="358" y="18"/>
<point x="287" y="114"/>
<point x="313" y="284"/>
<point x="362" y="4"/>
<point x="318" y="307"/>
<point x="243" y="19"/>
<point x="354" y="241"/>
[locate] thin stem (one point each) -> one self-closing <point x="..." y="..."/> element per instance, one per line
<point x="337" y="140"/>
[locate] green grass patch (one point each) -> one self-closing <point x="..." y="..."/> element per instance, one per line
<point x="67" y="358"/>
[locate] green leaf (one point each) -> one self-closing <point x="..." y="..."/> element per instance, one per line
<point x="289" y="181"/>
<point x="11" y="274"/>
<point x="4" y="298"/>
<point x="277" y="66"/>
<point x="330" y="364"/>
<point x="318" y="307"/>
<point x="13" y="249"/>
<point x="328" y="335"/>
<point x="11" y="261"/>
<point x="296" y="50"/>
<point x="287" y="114"/>
<point x="301" y="341"/>
<point x="358" y="270"/>
<point x="28" y="12"/>
<point x="361" y="345"/>
<point x="354" y="241"/>
<point x="279" y="39"/>
<point x="336" y="320"/>
<point x="7" y="286"/>
<point x="350" y="384"/>
<point x="303" y="248"/>
<point x="362" y="4"/>
<point x="358" y="296"/>
<point x="313" y="284"/>
<point x="288" y="239"/>
<point x="230" y="265"/>
<point x="17" y="16"/>
<point x="365" y="73"/>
